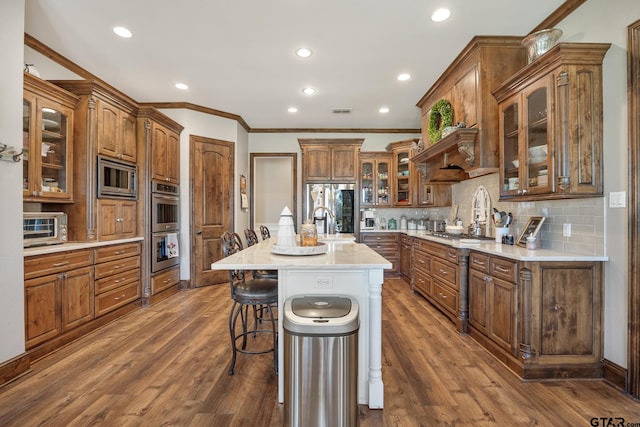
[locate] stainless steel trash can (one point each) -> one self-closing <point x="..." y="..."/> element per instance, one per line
<point x="320" y="361"/>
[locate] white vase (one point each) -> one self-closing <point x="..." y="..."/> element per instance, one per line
<point x="286" y="230"/>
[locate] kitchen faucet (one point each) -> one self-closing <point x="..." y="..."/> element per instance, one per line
<point x="331" y="215"/>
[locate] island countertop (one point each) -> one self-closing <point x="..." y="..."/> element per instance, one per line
<point x="256" y="257"/>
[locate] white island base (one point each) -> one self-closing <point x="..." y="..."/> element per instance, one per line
<point x="352" y="270"/>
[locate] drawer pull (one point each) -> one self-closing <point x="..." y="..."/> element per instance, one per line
<point x="166" y="281"/>
<point x="444" y="273"/>
<point x="118" y="267"/>
<point x="119" y="252"/>
<point x="122" y="279"/>
<point x="477" y="262"/>
<point x="443" y="296"/>
<point x="60" y="264"/>
<point x="503" y="270"/>
<point x="421" y="261"/>
<point x="120" y="297"/>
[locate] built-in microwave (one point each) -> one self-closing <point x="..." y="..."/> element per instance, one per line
<point x="43" y="228"/>
<point x="117" y="179"/>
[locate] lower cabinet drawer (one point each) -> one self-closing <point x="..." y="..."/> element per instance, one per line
<point x="117" y="280"/>
<point x="113" y="267"/>
<point x="422" y="282"/>
<point x="165" y="279"/>
<point x="35" y="266"/>
<point x="116" y="298"/>
<point x="447" y="298"/>
<point x="444" y="271"/>
<point x="422" y="260"/>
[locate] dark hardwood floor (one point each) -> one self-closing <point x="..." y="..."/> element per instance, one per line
<point x="167" y="365"/>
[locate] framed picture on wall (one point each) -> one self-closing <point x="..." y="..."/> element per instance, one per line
<point x="532" y="228"/>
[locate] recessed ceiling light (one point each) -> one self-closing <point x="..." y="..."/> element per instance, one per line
<point x="441" y="15"/>
<point x="303" y="52"/>
<point x="182" y="86"/>
<point x="384" y="110"/>
<point x="309" y="91"/>
<point x="404" y="76"/>
<point x="123" y="32"/>
<point x="292" y="110"/>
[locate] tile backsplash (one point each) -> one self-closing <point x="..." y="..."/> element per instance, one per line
<point x="586" y="216"/>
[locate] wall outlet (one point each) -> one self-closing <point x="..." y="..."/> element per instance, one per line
<point x="618" y="199"/>
<point x="566" y="230"/>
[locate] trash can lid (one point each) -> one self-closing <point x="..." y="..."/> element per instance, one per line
<point x="320" y="315"/>
<point x="327" y="307"/>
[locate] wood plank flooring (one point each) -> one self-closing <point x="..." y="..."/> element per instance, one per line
<point x="167" y="365"/>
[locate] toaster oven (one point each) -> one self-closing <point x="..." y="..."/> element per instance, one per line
<point x="44" y="228"/>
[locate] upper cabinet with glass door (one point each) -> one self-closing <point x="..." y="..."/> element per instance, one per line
<point x="375" y="175"/>
<point x="47" y="126"/>
<point x="551" y="125"/>
<point x="403" y="184"/>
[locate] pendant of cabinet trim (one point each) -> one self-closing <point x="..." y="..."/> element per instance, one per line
<point x="550" y="119"/>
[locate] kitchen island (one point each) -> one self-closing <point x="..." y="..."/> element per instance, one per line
<point x="352" y="270"/>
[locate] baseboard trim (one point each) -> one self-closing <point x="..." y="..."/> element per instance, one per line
<point x="615" y="375"/>
<point x="14" y="368"/>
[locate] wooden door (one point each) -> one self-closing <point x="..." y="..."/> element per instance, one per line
<point x="212" y="208"/>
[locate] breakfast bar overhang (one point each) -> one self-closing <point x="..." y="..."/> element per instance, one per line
<point x="350" y="269"/>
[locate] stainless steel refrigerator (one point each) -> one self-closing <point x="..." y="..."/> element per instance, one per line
<point x="332" y="206"/>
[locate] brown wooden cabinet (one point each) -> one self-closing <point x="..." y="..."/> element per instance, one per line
<point x="421" y="281"/>
<point x="467" y="83"/>
<point x="493" y="299"/>
<point x="165" y="279"/>
<point x="117" y="277"/>
<point x="541" y="319"/>
<point x="105" y="127"/>
<point x="116" y="131"/>
<point x="117" y="219"/>
<point x="551" y="125"/>
<point x="47" y="126"/>
<point x="330" y="160"/>
<point x="403" y="173"/>
<point x="387" y="245"/>
<point x="165" y="153"/>
<point x="58" y="294"/>
<point x="375" y="179"/>
<point x="406" y="257"/>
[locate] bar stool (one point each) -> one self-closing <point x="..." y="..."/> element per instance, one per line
<point x="252" y="239"/>
<point x="249" y="293"/>
<point x="264" y="231"/>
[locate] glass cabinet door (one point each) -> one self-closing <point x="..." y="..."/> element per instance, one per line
<point x="382" y="175"/>
<point x="366" y="183"/>
<point x="402" y="188"/>
<point x="53" y="150"/>
<point x="536" y="149"/>
<point x="509" y="121"/>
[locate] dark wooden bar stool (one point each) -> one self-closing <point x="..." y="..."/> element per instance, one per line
<point x="255" y="294"/>
<point x="264" y="232"/>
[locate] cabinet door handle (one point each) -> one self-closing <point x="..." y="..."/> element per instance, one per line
<point x="60" y="264"/>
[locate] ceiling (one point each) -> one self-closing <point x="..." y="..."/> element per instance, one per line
<point x="237" y="56"/>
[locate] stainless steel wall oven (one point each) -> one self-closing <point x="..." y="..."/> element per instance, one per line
<point x="165" y="225"/>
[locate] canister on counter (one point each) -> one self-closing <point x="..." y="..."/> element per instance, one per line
<point x="308" y="235"/>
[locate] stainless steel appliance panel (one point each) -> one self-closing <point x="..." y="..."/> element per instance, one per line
<point x="160" y="256"/>
<point x="43" y="228"/>
<point x="117" y="179"/>
<point x="339" y="199"/>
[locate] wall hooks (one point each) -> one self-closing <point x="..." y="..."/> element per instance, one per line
<point x="9" y="154"/>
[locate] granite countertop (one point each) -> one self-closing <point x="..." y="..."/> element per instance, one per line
<point x="72" y="246"/>
<point x="508" y="251"/>
<point x="339" y="255"/>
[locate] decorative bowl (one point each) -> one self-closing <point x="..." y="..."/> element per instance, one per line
<point x="454" y="229"/>
<point x="540" y="42"/>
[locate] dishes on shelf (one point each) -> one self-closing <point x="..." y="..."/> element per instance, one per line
<point x="538" y="151"/>
<point x="51" y="125"/>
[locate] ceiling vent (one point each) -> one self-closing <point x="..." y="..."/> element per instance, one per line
<point x="341" y="110"/>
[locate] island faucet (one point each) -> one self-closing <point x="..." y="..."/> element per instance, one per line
<point x="328" y="227"/>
